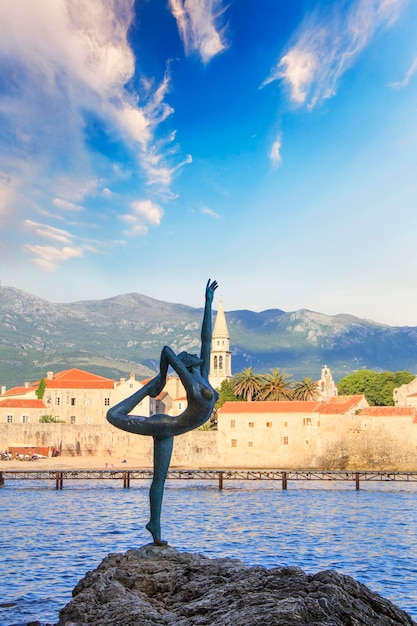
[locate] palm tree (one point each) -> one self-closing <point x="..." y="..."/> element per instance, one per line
<point x="276" y="386"/>
<point x="307" y="389"/>
<point x="247" y="384"/>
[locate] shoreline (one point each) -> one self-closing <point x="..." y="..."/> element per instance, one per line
<point x="77" y="462"/>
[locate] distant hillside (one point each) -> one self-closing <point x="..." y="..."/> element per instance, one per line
<point x="115" y="336"/>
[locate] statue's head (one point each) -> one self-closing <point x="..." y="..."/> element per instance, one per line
<point x="190" y="360"/>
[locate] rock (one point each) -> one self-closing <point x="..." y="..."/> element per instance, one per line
<point x="159" y="586"/>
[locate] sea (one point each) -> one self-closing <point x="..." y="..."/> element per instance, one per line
<point x="50" y="539"/>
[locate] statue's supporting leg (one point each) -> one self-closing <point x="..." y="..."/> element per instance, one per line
<point x="162" y="451"/>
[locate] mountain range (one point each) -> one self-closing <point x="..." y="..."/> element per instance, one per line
<point x="125" y="333"/>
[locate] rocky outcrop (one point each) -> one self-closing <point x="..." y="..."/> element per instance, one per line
<point x="161" y="586"/>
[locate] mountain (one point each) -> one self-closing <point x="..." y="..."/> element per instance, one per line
<point x="115" y="336"/>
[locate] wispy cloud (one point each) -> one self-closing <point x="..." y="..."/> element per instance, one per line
<point x="67" y="64"/>
<point x="48" y="232"/>
<point x="328" y="44"/>
<point x="197" y="22"/>
<point x="408" y="76"/>
<point x="206" y="211"/>
<point x="60" y="203"/>
<point x="275" y="152"/>
<point x="144" y="213"/>
<point x="49" y="258"/>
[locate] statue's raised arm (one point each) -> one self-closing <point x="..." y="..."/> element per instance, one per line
<point x="207" y="329"/>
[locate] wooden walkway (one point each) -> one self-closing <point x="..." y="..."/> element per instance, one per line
<point x="217" y="475"/>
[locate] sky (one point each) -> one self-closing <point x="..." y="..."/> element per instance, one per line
<point x="148" y="146"/>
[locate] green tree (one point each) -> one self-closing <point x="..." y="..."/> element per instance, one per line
<point x="306" y="389"/>
<point x="377" y="387"/>
<point x="276" y="386"/>
<point x="41" y="389"/>
<point x="247" y="383"/>
<point x="226" y="393"/>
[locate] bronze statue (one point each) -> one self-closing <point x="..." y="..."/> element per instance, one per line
<point x="201" y="397"/>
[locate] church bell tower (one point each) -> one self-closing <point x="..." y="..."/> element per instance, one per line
<point x="220" y="357"/>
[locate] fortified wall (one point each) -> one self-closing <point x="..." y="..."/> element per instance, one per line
<point x="195" y="449"/>
<point x="253" y="435"/>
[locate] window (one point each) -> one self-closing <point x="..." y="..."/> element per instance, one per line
<point x="106" y="401"/>
<point x="72" y="419"/>
<point x="251" y="424"/>
<point x="220" y="362"/>
<point x="284" y="441"/>
<point x="307" y="442"/>
<point x="269" y="424"/>
<point x="318" y="423"/>
<point x="307" y="421"/>
<point x="131" y="385"/>
<point x="25" y="419"/>
<point x="73" y="401"/>
<point x="234" y="443"/>
<point x="286" y="424"/>
<point x="250" y="444"/>
<point x="232" y="423"/>
<point x="57" y="401"/>
<point x="179" y="405"/>
<point x="10" y="419"/>
<point x="215" y="362"/>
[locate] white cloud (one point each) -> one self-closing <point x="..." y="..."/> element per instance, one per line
<point x="275" y="152"/>
<point x="48" y="232"/>
<point x="49" y="258"/>
<point x="158" y="174"/>
<point x="66" y="205"/>
<point x="68" y="60"/>
<point x="144" y="212"/>
<point x="197" y="25"/>
<point x="408" y="76"/>
<point x="207" y="211"/>
<point x="327" y="46"/>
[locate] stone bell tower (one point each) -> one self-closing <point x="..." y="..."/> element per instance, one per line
<point x="220" y="357"/>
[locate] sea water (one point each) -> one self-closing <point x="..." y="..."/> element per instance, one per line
<point x="49" y="539"/>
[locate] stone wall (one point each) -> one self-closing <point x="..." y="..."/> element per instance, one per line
<point x="195" y="449"/>
<point x="325" y="442"/>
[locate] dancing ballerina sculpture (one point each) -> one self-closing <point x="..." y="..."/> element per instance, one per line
<point x="193" y="371"/>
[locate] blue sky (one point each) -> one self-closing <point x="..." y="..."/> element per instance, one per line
<point x="147" y="146"/>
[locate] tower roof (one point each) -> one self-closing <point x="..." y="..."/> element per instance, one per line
<point x="220" y="327"/>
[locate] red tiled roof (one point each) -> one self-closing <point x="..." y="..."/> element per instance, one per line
<point x="343" y="399"/>
<point x="338" y="405"/>
<point x="78" y="379"/>
<point x="268" y="406"/>
<point x="389" y="411"/>
<point x="15" y="391"/>
<point x="335" y="406"/>
<point x="24" y="404"/>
